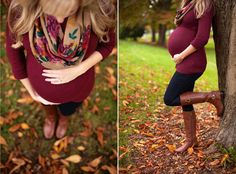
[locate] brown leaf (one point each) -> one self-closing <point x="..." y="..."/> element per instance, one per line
<point x="14" y="128"/>
<point x="65" y="171"/>
<point x="41" y="161"/>
<point x="111" y="169"/>
<point x="95" y="109"/>
<point x="215" y="162"/>
<point x="99" y="133"/>
<point x="73" y="158"/>
<point x="18" y="162"/>
<point x="3" y="141"/>
<point x="87" y="169"/>
<point x="95" y="162"/>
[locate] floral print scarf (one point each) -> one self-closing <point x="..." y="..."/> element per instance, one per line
<point x="55" y="49"/>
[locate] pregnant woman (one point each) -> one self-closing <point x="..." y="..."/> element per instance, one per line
<point x="186" y="46"/>
<point x="52" y="46"/>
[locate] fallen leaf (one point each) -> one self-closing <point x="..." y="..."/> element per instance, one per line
<point x="95" y="162"/>
<point x="171" y="147"/>
<point x="65" y="171"/>
<point x="87" y="169"/>
<point x="20" y="134"/>
<point x="99" y="133"/>
<point x="81" y="148"/>
<point x="225" y="157"/>
<point x="25" y="100"/>
<point x="14" y="128"/>
<point x="111" y="169"/>
<point x="73" y="158"/>
<point x="190" y="150"/>
<point x="55" y="156"/>
<point x="3" y="141"/>
<point x="24" y="126"/>
<point x="215" y="162"/>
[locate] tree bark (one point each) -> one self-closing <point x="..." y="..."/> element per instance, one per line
<point x="224" y="29"/>
<point x="153" y="27"/>
<point x="162" y="35"/>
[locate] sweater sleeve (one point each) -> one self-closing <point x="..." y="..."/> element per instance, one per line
<point x="204" y="29"/>
<point x="105" y="48"/>
<point x="16" y="57"/>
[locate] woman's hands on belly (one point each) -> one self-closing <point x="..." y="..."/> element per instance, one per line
<point x="66" y="75"/>
<point x="34" y="94"/>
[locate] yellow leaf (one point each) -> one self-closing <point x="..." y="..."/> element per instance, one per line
<point x="74" y="158"/>
<point x="125" y="103"/>
<point x="171" y="147"/>
<point x="55" y="156"/>
<point x="95" y="162"/>
<point x="225" y="157"/>
<point x="87" y="169"/>
<point x="24" y="126"/>
<point x="20" y="134"/>
<point x="190" y="150"/>
<point x="3" y="141"/>
<point x="81" y="148"/>
<point x="2" y="120"/>
<point x="136" y="131"/>
<point x="25" y="100"/>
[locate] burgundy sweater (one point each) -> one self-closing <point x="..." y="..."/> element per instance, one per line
<point x="76" y="90"/>
<point x="195" y="32"/>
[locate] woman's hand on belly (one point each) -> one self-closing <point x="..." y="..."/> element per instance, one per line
<point x="33" y="93"/>
<point x="66" y="75"/>
<point x="178" y="58"/>
<point x="38" y="98"/>
<point x="63" y="75"/>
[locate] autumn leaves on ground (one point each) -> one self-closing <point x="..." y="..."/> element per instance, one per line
<point x="150" y="131"/>
<point x="90" y="144"/>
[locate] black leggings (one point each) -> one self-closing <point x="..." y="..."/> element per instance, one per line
<point x="69" y="108"/>
<point x="179" y="84"/>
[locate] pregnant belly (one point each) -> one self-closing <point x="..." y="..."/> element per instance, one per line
<point x="76" y="90"/>
<point x="180" y="39"/>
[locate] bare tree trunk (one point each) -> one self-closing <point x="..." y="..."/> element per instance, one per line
<point x="162" y="35"/>
<point x="153" y="26"/>
<point x="224" y="27"/>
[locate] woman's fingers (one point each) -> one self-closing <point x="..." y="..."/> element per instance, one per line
<point x="50" y="75"/>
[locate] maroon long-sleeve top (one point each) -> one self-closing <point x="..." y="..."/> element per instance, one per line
<point x="195" y="32"/>
<point x="77" y="90"/>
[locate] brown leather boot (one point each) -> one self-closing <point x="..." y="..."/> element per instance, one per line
<point x="190" y="130"/>
<point x="214" y="97"/>
<point x="50" y="120"/>
<point x="62" y="125"/>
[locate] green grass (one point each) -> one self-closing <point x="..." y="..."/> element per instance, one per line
<point x="146" y="70"/>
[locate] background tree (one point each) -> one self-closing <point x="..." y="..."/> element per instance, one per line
<point x="224" y="27"/>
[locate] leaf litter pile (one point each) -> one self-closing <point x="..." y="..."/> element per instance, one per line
<point x="90" y="144"/>
<point x="151" y="131"/>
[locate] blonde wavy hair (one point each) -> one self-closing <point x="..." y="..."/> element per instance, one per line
<point x="22" y="14"/>
<point x="200" y="6"/>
